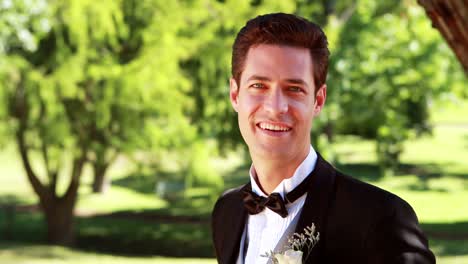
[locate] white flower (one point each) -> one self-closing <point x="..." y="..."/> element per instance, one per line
<point x="292" y="254"/>
<point x="289" y="257"/>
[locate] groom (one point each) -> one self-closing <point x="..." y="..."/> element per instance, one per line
<point x="279" y="67"/>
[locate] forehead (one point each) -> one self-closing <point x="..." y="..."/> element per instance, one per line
<point x="278" y="62"/>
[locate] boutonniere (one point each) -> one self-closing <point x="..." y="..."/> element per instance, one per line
<point x="297" y="243"/>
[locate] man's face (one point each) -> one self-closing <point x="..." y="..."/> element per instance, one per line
<point x="275" y="101"/>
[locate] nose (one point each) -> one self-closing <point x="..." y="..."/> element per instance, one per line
<point x="276" y="102"/>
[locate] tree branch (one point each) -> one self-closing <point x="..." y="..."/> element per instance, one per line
<point x="346" y="15"/>
<point x="77" y="169"/>
<point x="38" y="187"/>
<point x="51" y="173"/>
<point x="20" y="112"/>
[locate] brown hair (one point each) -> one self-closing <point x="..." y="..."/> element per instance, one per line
<point x="282" y="29"/>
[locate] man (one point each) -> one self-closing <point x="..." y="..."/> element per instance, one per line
<point x="279" y="67"/>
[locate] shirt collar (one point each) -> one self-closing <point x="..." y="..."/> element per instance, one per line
<point x="287" y="185"/>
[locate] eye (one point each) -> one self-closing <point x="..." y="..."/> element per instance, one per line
<point x="257" y="85"/>
<point x="294" y="89"/>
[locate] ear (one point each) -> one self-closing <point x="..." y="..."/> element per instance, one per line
<point x="320" y="98"/>
<point x="233" y="93"/>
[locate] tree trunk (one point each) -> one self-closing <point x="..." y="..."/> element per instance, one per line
<point x="60" y="223"/>
<point x="58" y="211"/>
<point x="328" y="129"/>
<point x="100" y="183"/>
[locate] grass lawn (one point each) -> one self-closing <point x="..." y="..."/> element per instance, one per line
<point x="433" y="176"/>
<point x="39" y="254"/>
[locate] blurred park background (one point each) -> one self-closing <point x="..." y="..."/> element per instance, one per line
<point x="117" y="135"/>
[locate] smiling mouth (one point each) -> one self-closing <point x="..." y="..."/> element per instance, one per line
<point x="274" y="128"/>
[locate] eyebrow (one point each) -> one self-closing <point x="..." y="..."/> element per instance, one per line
<point x="266" y="79"/>
<point x="258" y="78"/>
<point x="296" y="81"/>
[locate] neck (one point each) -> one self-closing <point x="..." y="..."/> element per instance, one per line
<point x="270" y="173"/>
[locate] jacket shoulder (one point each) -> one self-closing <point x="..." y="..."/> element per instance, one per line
<point x="377" y="221"/>
<point x="368" y="196"/>
<point x="227" y="200"/>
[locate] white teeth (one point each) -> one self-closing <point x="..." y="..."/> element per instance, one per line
<point x="273" y="127"/>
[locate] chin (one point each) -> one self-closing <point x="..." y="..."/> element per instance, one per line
<point x="272" y="152"/>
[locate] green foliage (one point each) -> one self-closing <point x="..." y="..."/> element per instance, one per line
<point x="22" y="24"/>
<point x="102" y="80"/>
<point x="103" y="77"/>
<point x="200" y="171"/>
<point x="387" y="65"/>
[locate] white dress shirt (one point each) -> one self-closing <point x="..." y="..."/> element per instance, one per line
<point x="265" y="229"/>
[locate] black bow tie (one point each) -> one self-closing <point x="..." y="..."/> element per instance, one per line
<point x="255" y="203"/>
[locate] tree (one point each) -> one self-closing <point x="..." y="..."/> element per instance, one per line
<point x="92" y="87"/>
<point x="146" y="54"/>
<point x="387" y="65"/>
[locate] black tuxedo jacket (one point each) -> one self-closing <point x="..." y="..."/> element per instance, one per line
<point x="358" y="222"/>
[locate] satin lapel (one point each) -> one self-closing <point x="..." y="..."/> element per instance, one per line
<point x="315" y="209"/>
<point x="234" y="222"/>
